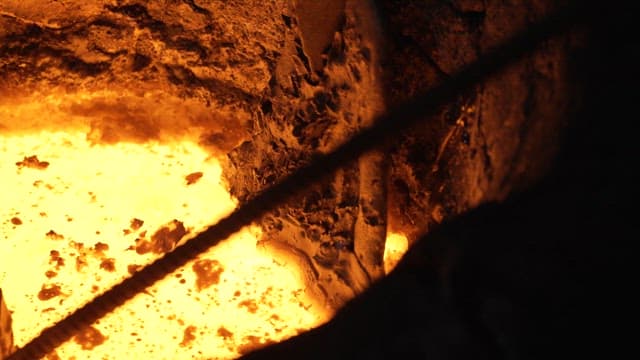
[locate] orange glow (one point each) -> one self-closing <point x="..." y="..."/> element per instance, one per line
<point x="396" y="245"/>
<point x="77" y="217"/>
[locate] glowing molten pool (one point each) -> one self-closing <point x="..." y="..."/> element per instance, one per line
<point x="77" y="217"/>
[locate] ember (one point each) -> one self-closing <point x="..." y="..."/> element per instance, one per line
<point x="223" y="332"/>
<point x="250" y="305"/>
<point x="108" y="264"/>
<point x="89" y="338"/>
<point x="136" y="224"/>
<point x="188" y="335"/>
<point x="193" y="177"/>
<point x="101" y="247"/>
<point x="49" y="292"/>
<point x="163" y="240"/>
<point x="207" y="273"/>
<point x="32" y="162"/>
<point x="53" y="235"/>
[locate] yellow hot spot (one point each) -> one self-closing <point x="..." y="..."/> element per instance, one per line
<point x="77" y="218"/>
<point x="253" y="302"/>
<point x="395" y="247"/>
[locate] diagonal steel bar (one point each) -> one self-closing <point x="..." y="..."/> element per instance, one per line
<point x="386" y="126"/>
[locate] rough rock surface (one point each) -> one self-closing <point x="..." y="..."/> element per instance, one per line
<point x="497" y="139"/>
<point x="339" y="224"/>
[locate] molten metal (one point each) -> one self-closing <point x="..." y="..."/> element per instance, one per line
<point x="79" y="216"/>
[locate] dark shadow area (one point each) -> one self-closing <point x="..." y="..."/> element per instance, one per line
<point x="543" y="274"/>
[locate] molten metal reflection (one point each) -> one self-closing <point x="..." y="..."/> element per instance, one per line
<point x="75" y="219"/>
<point x="395" y="247"/>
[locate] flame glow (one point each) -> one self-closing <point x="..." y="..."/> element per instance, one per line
<point x="73" y="215"/>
